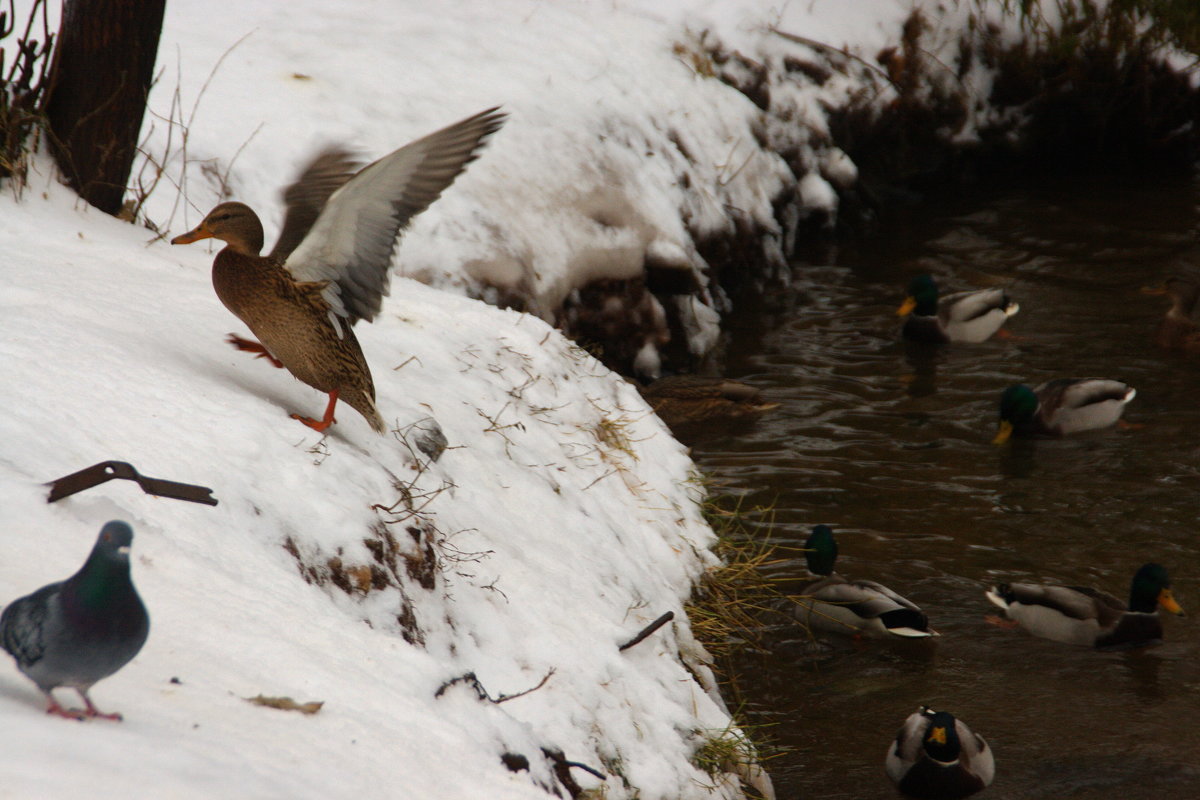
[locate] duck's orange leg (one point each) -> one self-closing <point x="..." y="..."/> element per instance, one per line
<point x="322" y="424"/>
<point x="251" y="346"/>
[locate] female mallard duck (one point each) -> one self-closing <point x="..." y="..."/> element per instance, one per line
<point x="1090" y="617"/>
<point x="331" y="265"/>
<point x="685" y="399"/>
<point x="1062" y="406"/>
<point x="1180" y="328"/>
<point x="937" y="756"/>
<point x="960" y="317"/>
<point x="853" y="607"/>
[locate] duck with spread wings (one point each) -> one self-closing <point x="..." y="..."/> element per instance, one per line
<point x="331" y="265"/>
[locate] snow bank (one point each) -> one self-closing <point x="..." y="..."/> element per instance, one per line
<point x="352" y="569"/>
<point x="628" y="150"/>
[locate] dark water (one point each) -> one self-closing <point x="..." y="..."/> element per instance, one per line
<point x="891" y="447"/>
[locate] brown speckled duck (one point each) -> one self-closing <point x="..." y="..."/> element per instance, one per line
<point x="1180" y="328"/>
<point x="681" y="400"/>
<point x="331" y="265"/>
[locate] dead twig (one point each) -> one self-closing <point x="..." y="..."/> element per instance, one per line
<point x="649" y="629"/>
<point x="472" y="680"/>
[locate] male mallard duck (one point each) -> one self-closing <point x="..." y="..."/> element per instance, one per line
<point x="853" y="607"/>
<point x="683" y="399"/>
<point x="1090" y="617"/>
<point x="960" y="317"/>
<point x="1180" y="328"/>
<point x="936" y="756"/>
<point x="1061" y="406"/>
<point x="331" y="266"/>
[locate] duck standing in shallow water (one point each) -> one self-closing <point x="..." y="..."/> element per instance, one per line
<point x="1062" y="406"/>
<point x="972" y="316"/>
<point x="1085" y="616"/>
<point x="332" y="264"/>
<point x="838" y="605"/>
<point x="937" y="757"/>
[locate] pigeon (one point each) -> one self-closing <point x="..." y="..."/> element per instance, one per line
<point x="81" y="630"/>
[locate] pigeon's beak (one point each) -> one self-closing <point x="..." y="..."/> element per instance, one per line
<point x="123" y="550"/>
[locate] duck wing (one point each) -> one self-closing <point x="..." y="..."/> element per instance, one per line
<point x="905" y="750"/>
<point x="1076" y="602"/>
<point x="966" y="306"/>
<point x="1075" y="404"/>
<point x="1077" y="393"/>
<point x="976" y="757"/>
<point x="869" y="600"/>
<point x="304" y="200"/>
<point x="353" y="239"/>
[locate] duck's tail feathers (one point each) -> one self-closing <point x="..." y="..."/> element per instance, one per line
<point x="906" y="622"/>
<point x="365" y="405"/>
<point x="999" y="595"/>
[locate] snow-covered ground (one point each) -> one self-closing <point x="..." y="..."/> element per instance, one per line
<point x="561" y="518"/>
<point x="624" y="149"/>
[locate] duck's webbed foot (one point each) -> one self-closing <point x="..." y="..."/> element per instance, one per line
<point x="251" y="346"/>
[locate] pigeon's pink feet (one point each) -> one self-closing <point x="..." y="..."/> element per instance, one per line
<point x="92" y="712"/>
<point x="57" y="710"/>
<point x="1001" y="622"/>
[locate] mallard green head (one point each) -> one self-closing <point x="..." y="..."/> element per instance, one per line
<point x="922" y="297"/>
<point x="1018" y="404"/>
<point x="1151" y="590"/>
<point x="941" y="737"/>
<point x="820" y="550"/>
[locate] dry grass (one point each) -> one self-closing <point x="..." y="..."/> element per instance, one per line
<point x="729" y="603"/>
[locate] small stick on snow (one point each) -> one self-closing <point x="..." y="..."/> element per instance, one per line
<point x="649" y="629"/>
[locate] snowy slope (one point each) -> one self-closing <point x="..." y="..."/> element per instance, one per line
<point x="561" y="518"/>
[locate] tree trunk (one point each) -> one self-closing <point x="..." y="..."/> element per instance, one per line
<point x="103" y="68"/>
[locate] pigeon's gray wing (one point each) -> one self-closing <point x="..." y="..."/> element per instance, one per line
<point x="305" y="198"/>
<point x="23" y="625"/>
<point x="352" y="242"/>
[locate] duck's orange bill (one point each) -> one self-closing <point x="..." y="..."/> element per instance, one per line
<point x="1004" y="433"/>
<point x="906" y="307"/>
<point x="194" y="235"/>
<point x="1167" y="601"/>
